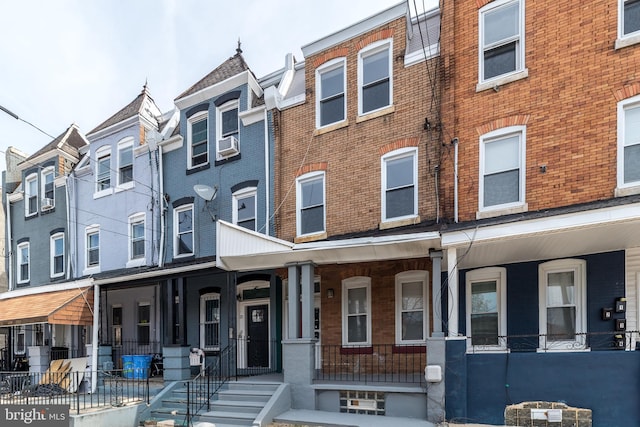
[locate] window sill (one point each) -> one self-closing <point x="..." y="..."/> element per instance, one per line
<point x="399" y="222"/>
<point x="331" y="128"/>
<point x="91" y="270"/>
<point x="627" y="41"/>
<point x="383" y="112"/>
<point x="504" y="211"/>
<point x="103" y="193"/>
<point x="125" y="186"/>
<point x="198" y="168"/>
<point x="136" y="263"/>
<point x="627" y="191"/>
<point x="496" y="82"/>
<point x="310" y="238"/>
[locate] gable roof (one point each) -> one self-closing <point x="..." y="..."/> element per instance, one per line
<point x="229" y="68"/>
<point x="130" y="110"/>
<point x="69" y="141"/>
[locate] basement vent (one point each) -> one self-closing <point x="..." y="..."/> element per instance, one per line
<point x="362" y="402"/>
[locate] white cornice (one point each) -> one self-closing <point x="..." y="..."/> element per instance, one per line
<point x="218" y="89"/>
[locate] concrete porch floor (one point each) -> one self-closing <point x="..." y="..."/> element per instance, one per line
<point x="335" y="419"/>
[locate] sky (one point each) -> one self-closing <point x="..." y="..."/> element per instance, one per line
<point x="81" y="61"/>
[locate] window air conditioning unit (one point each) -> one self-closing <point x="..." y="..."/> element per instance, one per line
<point x="47" y="203"/>
<point x="228" y="146"/>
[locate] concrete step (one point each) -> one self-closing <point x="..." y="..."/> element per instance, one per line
<point x="224" y="417"/>
<point x="237" y="406"/>
<point x="252" y="385"/>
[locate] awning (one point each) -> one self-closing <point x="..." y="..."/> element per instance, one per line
<point x="65" y="307"/>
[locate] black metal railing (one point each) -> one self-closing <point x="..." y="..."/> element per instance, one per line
<point x="376" y="363"/>
<point x="131" y="347"/>
<point x="206" y="384"/>
<point x="610" y="340"/>
<point x="115" y="388"/>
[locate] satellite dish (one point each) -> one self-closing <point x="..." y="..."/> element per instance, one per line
<point x="206" y="192"/>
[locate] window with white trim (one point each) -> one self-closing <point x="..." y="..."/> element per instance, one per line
<point x="375" y="77"/>
<point x="103" y="169"/>
<point x="136" y="236"/>
<point x="24" y="264"/>
<point x="31" y="195"/>
<point x="501" y="39"/>
<point x="144" y="323"/>
<point x="486" y="307"/>
<point x="227" y="129"/>
<point x="245" y="208"/>
<point x="48" y="195"/>
<point x="331" y="98"/>
<point x="57" y="255"/>
<point x="356" y="311"/>
<point x="629" y="18"/>
<point x="310" y="200"/>
<point x="20" y="333"/>
<point x="411" y="307"/>
<point x="399" y="184"/>
<point x="116" y="329"/>
<point x="183" y="230"/>
<point x="563" y="304"/>
<point x="93" y="247"/>
<point x="210" y="321"/>
<point x="502" y="160"/>
<point x="125" y="161"/>
<point x="629" y="142"/>
<point x="198" y="139"/>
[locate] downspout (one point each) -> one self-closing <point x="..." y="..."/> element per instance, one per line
<point x="10" y="254"/>
<point x="266" y="170"/>
<point x="162" y="209"/>
<point x="68" y="244"/>
<point x="94" y="338"/>
<point x="454" y="141"/>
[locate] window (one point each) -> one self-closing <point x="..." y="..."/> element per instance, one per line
<point x="227" y="129"/>
<point x="244" y="208"/>
<point x="103" y="173"/>
<point x="116" y="315"/>
<point x="57" y="255"/>
<point x="374" y="77"/>
<point x="630" y="17"/>
<point x="183" y="226"/>
<point x="562" y="304"/>
<point x="356" y="311"/>
<point x="310" y="201"/>
<point x="23" y="262"/>
<point x="629" y="142"/>
<point x="125" y="161"/>
<point x="144" y="323"/>
<point x="411" y="307"/>
<point x="20" y="339"/>
<point x="486" y="307"/>
<point x="38" y="334"/>
<point x="31" y="195"/>
<point x="501" y="39"/>
<point x="136" y="237"/>
<point x="198" y="137"/>
<point x="502" y="168"/>
<point x="399" y="182"/>
<point x="48" y="198"/>
<point x="210" y="321"/>
<point x="93" y="247"/>
<point x="331" y="97"/>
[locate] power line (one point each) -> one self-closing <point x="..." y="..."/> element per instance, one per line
<point x="15" y="116"/>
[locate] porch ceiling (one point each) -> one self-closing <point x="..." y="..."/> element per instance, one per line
<point x="563" y="236"/>
<point x="65" y="307"/>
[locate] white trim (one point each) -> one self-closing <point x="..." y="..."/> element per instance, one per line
<point x="139" y="304"/>
<point x="123" y="144"/>
<point x="391" y="156"/>
<point x="328" y="66"/>
<point x="210" y="296"/>
<point x="30" y="179"/>
<point x="372" y="49"/>
<point x="19" y="248"/>
<point x="623" y="39"/>
<point x="89" y="230"/>
<point x="632" y="103"/>
<point x="52" y="253"/>
<point x="232" y="104"/>
<point x="401" y="279"/>
<point x="579" y="269"/>
<point x="176" y="233"/>
<point x="243" y="194"/>
<point x="195" y="118"/>
<point x="79" y="284"/>
<point x="496" y="135"/>
<point x="45" y="172"/>
<point x="499" y="275"/>
<point x="309" y="177"/>
<point x="347" y="285"/>
<point x="519" y="39"/>
<point x="136" y="218"/>
<point x="210" y="92"/>
<point x="243" y="322"/>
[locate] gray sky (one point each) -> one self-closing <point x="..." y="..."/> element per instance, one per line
<point x="80" y="61"/>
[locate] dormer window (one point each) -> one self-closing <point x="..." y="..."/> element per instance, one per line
<point x="48" y="196"/>
<point x="197" y="137"/>
<point x="125" y="162"/>
<point x="228" y="126"/>
<point x="31" y="195"/>
<point x="103" y="169"/>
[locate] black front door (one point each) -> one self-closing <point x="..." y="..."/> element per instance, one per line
<point x="258" y="336"/>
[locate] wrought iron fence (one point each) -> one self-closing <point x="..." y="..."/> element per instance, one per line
<point x="372" y="364"/>
<point x="127" y="347"/>
<point x="611" y="340"/>
<point x="114" y="388"/>
<point x="56" y="353"/>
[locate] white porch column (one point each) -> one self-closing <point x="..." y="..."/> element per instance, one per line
<point x="294" y="302"/>
<point x="436" y="292"/>
<point x="452" y="311"/>
<point x="94" y="338"/>
<point x="307" y="300"/>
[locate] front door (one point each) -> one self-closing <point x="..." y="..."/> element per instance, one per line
<point x="258" y="336"/>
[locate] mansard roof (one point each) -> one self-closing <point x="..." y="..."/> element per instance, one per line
<point x="69" y="141"/>
<point x="132" y="109"/>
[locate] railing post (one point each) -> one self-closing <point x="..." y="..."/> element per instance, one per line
<point x="188" y="403"/>
<point x="77" y="394"/>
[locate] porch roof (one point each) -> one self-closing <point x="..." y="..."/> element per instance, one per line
<point x="240" y="249"/>
<point x="64" y="307"/>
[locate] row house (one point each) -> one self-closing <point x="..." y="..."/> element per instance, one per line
<point x="541" y="108"/>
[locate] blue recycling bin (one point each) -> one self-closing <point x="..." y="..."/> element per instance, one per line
<point x="127" y="366"/>
<point x="141" y="365"/>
